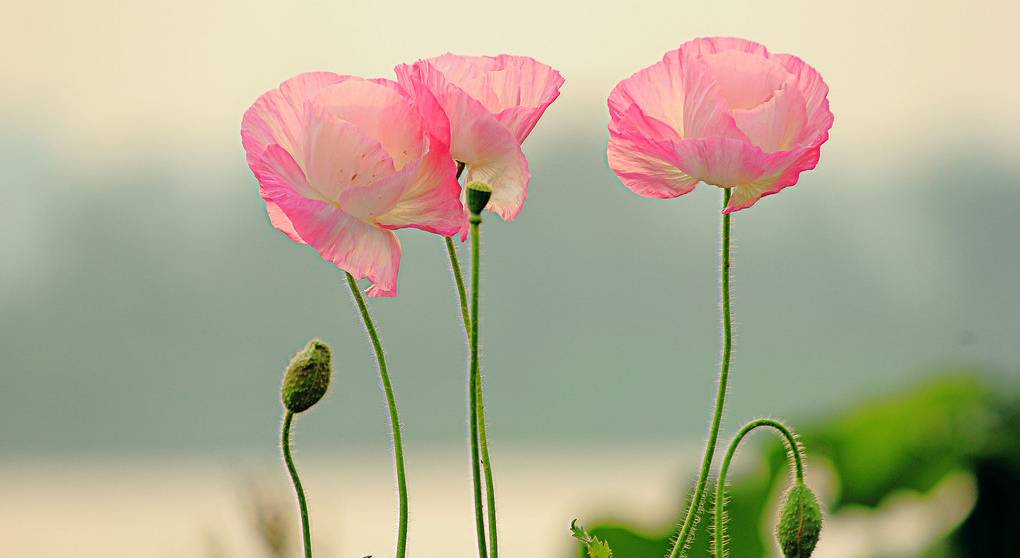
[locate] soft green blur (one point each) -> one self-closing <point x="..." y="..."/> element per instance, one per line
<point x="931" y="471"/>
<point x="147" y="307"/>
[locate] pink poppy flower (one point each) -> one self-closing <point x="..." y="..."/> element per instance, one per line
<point x="343" y="161"/>
<point x="723" y="111"/>
<point x="492" y="103"/>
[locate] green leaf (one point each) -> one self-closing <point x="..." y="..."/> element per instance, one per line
<point x="596" y="547"/>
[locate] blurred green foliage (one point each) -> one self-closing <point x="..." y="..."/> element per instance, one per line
<point x="907" y="441"/>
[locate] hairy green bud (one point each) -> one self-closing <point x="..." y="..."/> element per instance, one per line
<point x="800" y="522"/>
<point x="478" y="194"/>
<point x="307" y="377"/>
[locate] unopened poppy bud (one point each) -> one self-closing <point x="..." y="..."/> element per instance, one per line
<point x="478" y="194"/>
<point x="800" y="522"/>
<point x="307" y="376"/>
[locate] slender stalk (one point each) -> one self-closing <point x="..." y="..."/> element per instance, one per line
<point x="391" y="402"/>
<point x="720" y="487"/>
<point x="476" y="473"/>
<point x="490" y="491"/>
<point x="306" y="534"/>
<point x="458" y="278"/>
<point x="687" y="531"/>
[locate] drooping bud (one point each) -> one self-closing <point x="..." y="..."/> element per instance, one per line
<point x="800" y="522"/>
<point x="478" y="194"/>
<point x="307" y="377"/>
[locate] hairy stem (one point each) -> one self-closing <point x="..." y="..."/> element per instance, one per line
<point x="686" y="535"/>
<point x="476" y="473"/>
<point x="306" y="534"/>
<point x="391" y="402"/>
<point x="720" y="487"/>
<point x="458" y="278"/>
<point x="473" y="395"/>
<point x="490" y="492"/>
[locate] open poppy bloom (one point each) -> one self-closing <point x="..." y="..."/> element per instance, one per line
<point x="723" y="111"/>
<point x="343" y="161"/>
<point x="492" y="103"/>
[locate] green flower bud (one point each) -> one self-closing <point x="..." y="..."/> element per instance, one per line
<point x="307" y="377"/>
<point x="478" y="194"/>
<point x="800" y="522"/>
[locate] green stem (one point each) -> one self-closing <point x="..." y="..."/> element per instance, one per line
<point x="302" y="504"/>
<point x="490" y="491"/>
<point x="687" y="530"/>
<point x="720" y="502"/>
<point x="391" y="402"/>
<point x="458" y="278"/>
<point x="476" y="473"/>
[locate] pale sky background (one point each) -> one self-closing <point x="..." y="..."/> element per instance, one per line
<point x="108" y="81"/>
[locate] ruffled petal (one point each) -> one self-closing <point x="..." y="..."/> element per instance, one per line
<point x="663" y="169"/>
<point x="490" y="151"/>
<point x="818" y="117"/>
<point x="658" y="91"/>
<point x="381" y="111"/>
<point x="279" y="175"/>
<point x="279" y="219"/>
<point x="372" y="200"/>
<point x="712" y="45"/>
<point x="635" y="123"/>
<point x="678" y="92"/>
<point x="517" y="90"/>
<point x="646" y="170"/>
<point x="433" y="118"/>
<point x="462" y="111"/>
<point x="424" y="194"/>
<point x="464" y="71"/>
<point x="782" y="170"/>
<point x="777" y="124"/>
<point x="338" y="156"/>
<point x="720" y="110"/>
<point x="277" y="117"/>
<point x="505" y="168"/>
<point x="520" y="93"/>
<point x="431" y="199"/>
<point x="721" y="162"/>
<point x="745" y="80"/>
<point x="362" y="249"/>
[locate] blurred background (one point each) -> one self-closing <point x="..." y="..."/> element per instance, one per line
<point x="147" y="307"/>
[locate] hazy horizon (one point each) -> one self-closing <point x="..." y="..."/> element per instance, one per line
<point x="147" y="305"/>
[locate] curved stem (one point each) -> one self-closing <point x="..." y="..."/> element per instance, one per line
<point x="473" y="390"/>
<point x="686" y="535"/>
<point x="474" y="395"/>
<point x="458" y="278"/>
<point x="490" y="492"/>
<point x="720" y="487"/>
<point x="476" y="473"/>
<point x="391" y="402"/>
<point x="302" y="504"/>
